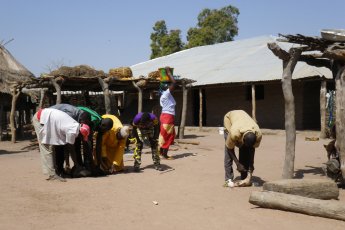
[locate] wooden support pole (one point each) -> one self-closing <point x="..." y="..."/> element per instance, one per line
<point x="43" y="94"/>
<point x="15" y="94"/>
<point x="140" y="97"/>
<point x="253" y="103"/>
<point x="1" y="113"/>
<point x="289" y="63"/>
<point x="184" y="110"/>
<point x="274" y="200"/>
<point x="323" y="91"/>
<point x="105" y="87"/>
<point x="57" y="87"/>
<point x="200" y="109"/>
<point x="340" y="117"/>
<point x="290" y="124"/>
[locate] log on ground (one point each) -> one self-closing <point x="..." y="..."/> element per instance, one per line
<point x="274" y="200"/>
<point x="313" y="188"/>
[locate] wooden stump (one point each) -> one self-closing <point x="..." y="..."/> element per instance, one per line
<point x="314" y="207"/>
<point x="313" y="188"/>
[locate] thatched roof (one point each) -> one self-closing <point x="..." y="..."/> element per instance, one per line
<point x="11" y="71"/>
<point x="83" y="77"/>
<point x="81" y="71"/>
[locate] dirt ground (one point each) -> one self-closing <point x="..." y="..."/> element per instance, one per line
<point x="188" y="194"/>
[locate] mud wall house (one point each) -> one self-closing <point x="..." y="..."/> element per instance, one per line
<point x="229" y="74"/>
<point x="13" y="77"/>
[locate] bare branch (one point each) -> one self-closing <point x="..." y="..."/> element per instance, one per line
<point x="279" y="52"/>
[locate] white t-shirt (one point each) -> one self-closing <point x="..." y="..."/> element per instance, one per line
<point x="58" y="128"/>
<point x="167" y="102"/>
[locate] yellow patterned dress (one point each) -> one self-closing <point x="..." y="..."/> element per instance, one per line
<point x="113" y="148"/>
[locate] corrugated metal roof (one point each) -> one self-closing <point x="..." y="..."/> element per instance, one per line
<point x="247" y="60"/>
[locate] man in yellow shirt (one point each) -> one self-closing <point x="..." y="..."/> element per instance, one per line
<point x="242" y="131"/>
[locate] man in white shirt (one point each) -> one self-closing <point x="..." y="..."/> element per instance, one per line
<point x="53" y="128"/>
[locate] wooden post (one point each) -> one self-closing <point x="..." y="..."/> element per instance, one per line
<point x="290" y="124"/>
<point x="105" y="87"/>
<point x="21" y="123"/>
<point x="184" y="110"/>
<point x="15" y="95"/>
<point x="340" y="117"/>
<point x="289" y="62"/>
<point x="1" y="113"/>
<point x="323" y="189"/>
<point x="253" y="103"/>
<point x="140" y="97"/>
<point x="315" y="207"/>
<point x="323" y="91"/>
<point x="200" y="109"/>
<point x="57" y="87"/>
<point x="43" y="94"/>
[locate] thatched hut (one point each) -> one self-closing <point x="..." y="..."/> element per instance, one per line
<point x="15" y="107"/>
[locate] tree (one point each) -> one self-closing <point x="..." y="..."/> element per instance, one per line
<point x="214" y="26"/>
<point x="164" y="43"/>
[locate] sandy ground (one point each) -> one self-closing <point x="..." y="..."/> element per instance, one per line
<point x="189" y="192"/>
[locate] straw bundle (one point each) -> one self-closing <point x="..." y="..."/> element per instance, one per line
<point x="121" y="72"/>
<point x="154" y="75"/>
<point x="77" y="71"/>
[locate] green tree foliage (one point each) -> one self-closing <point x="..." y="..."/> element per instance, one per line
<point x="164" y="43"/>
<point x="214" y="26"/>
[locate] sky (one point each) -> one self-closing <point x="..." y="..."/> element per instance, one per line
<point x="108" y="34"/>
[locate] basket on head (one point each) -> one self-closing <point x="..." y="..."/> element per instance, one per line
<point x="164" y="77"/>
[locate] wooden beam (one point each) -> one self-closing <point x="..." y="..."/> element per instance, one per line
<point x="279" y="52"/>
<point x="316" y="60"/>
<point x="335" y="52"/>
<point x="274" y="200"/>
<point x="323" y="189"/>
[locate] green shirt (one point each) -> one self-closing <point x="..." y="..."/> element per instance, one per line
<point x="95" y="117"/>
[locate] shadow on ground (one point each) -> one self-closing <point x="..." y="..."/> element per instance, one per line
<point x="191" y="136"/>
<point x="4" y="152"/>
<point x="310" y="170"/>
<point x="182" y="155"/>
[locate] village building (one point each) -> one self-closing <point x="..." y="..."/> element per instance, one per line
<point x="228" y="75"/>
